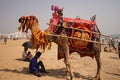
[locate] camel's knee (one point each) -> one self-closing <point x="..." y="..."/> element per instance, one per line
<point x="67" y="62"/>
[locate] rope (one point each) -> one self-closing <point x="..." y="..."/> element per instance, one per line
<point x="77" y="38"/>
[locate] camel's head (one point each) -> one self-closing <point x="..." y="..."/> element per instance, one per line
<point x="26" y="22"/>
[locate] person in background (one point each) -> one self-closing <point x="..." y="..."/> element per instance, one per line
<point x="106" y="49"/>
<point x="24" y="54"/>
<point x="28" y="56"/>
<point x="37" y="67"/>
<point x="5" y="39"/>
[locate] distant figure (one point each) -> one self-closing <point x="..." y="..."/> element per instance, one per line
<point x="112" y="42"/>
<point x="106" y="49"/>
<point x="5" y="40"/>
<point x="37" y="68"/>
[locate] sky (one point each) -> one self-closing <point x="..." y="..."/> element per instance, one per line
<point x="107" y="13"/>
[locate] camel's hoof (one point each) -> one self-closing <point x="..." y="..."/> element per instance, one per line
<point x="95" y="78"/>
<point x="69" y="78"/>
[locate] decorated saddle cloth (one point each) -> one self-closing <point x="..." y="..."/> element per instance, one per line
<point x="79" y="45"/>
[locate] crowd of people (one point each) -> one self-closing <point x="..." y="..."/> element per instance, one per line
<point x="112" y="46"/>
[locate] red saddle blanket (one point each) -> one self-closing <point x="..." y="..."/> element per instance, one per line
<point x="80" y="46"/>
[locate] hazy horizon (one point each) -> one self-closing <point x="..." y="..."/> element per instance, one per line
<point x="107" y="12"/>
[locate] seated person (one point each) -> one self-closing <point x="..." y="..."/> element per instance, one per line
<point x="28" y="56"/>
<point x="106" y="49"/>
<point x="37" y="68"/>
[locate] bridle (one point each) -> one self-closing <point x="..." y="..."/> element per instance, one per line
<point x="27" y="21"/>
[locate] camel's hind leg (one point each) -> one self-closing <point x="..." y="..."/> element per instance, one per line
<point x="119" y="53"/>
<point x="98" y="60"/>
<point x="67" y="61"/>
<point x="69" y="73"/>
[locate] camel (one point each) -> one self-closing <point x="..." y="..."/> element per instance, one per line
<point x="40" y="39"/>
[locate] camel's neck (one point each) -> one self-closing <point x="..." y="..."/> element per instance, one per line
<point x="36" y="33"/>
<point x="35" y="29"/>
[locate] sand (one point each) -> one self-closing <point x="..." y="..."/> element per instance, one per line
<point x="13" y="68"/>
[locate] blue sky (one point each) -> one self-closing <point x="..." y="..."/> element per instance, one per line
<point x="107" y="12"/>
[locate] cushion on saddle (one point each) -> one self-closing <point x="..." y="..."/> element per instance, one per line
<point x="83" y="35"/>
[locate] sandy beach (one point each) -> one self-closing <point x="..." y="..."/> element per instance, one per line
<point x="13" y="68"/>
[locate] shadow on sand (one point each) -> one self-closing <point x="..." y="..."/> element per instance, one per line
<point x="114" y="57"/>
<point x="58" y="73"/>
<point x="23" y="71"/>
<point x="19" y="59"/>
<point x="113" y="74"/>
